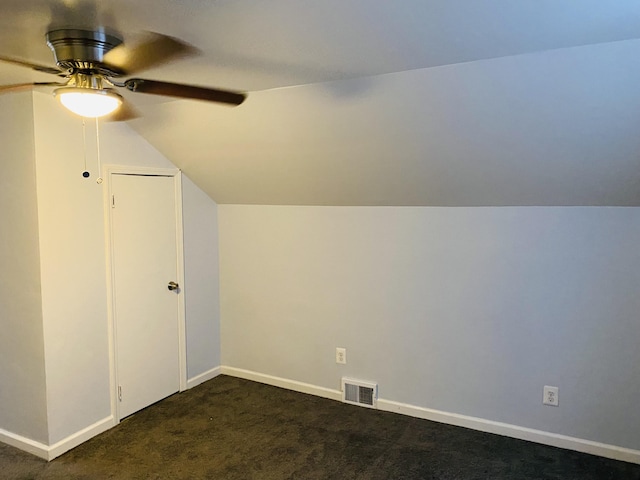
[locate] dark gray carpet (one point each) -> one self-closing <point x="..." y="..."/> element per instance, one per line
<point x="231" y="429"/>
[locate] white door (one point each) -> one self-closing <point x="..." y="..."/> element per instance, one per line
<point x="144" y="256"/>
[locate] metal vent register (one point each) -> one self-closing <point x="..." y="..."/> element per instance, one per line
<point x="358" y="392"/>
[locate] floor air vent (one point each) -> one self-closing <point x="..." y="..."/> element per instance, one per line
<point x="360" y="393"/>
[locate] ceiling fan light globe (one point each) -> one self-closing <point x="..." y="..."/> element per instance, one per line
<point x="87" y="102"/>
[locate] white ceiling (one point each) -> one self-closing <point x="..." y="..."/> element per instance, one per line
<point x="410" y="102"/>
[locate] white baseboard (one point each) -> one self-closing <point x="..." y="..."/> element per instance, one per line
<point x="474" y="423"/>
<point x="81" y="436"/>
<point x="514" y="431"/>
<point x="49" y="452"/>
<point x="203" y="377"/>
<point x="283" y="383"/>
<point x="23" y="443"/>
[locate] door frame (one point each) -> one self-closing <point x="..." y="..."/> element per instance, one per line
<point x="176" y="174"/>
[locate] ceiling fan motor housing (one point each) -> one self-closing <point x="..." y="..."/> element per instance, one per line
<point x="82" y="49"/>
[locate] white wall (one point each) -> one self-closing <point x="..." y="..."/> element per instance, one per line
<point x="73" y="264"/>
<point x="22" y="376"/>
<point x="465" y="310"/>
<point x="202" y="298"/>
<point x="72" y="256"/>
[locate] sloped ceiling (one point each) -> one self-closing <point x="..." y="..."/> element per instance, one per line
<point x="361" y="102"/>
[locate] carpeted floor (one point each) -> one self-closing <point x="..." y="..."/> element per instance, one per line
<point x="233" y="429"/>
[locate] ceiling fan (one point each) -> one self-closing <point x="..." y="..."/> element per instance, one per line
<point x="90" y="62"/>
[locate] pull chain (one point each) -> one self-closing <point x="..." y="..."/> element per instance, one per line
<point x="85" y="173"/>
<point x="99" y="179"/>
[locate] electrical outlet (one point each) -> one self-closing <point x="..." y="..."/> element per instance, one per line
<point x="341" y="355"/>
<point x="550" y="396"/>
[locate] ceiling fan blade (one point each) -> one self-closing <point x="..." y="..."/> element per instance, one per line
<point x="18" y="87"/>
<point x="154" y="49"/>
<point x="124" y="113"/>
<point x="179" y="90"/>
<point x="33" y="66"/>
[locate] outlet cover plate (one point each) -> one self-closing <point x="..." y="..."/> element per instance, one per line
<point x="550" y="396"/>
<point x="341" y="355"/>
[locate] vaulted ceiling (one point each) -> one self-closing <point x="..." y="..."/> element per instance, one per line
<point x="363" y="102"/>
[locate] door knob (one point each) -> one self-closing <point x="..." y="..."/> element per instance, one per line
<point x="173" y="286"/>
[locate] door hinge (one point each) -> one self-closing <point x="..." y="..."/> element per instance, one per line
<point x="120" y="392"/>
<point x="113" y="201"/>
